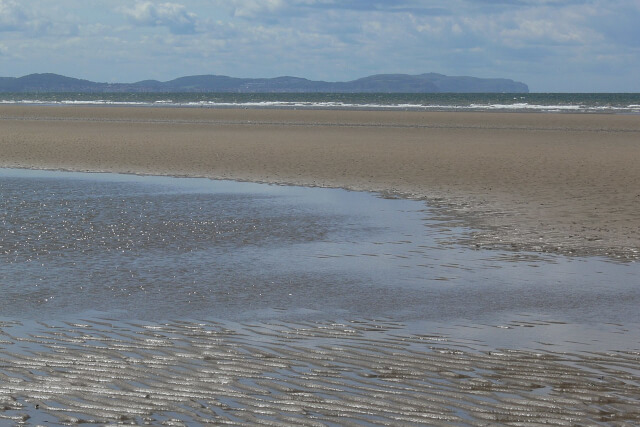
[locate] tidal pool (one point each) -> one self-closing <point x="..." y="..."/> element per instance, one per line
<point x="160" y="248"/>
<point x="123" y="282"/>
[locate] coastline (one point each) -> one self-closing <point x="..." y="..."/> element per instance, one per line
<point x="562" y="183"/>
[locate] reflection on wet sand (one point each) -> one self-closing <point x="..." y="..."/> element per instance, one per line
<point x="306" y="373"/>
<point x="94" y="265"/>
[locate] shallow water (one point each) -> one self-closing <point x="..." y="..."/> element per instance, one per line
<point x="128" y="268"/>
<point x="158" y="248"/>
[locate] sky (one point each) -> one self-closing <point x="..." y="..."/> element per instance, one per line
<point x="551" y="45"/>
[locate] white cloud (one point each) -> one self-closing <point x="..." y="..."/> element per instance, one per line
<point x="171" y="15"/>
<point x="12" y="16"/>
<point x="254" y="8"/>
<point x="261" y="9"/>
<point x="548" y="26"/>
<point x="542" y="31"/>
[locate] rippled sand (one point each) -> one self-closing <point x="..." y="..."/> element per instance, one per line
<point x="360" y="372"/>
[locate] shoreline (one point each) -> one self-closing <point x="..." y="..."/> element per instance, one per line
<point x="560" y="183"/>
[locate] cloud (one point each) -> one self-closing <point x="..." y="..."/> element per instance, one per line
<point x="255" y="8"/>
<point x="262" y="8"/>
<point x="12" y="16"/>
<point x="174" y="16"/>
<point x="32" y="23"/>
<point x="620" y="26"/>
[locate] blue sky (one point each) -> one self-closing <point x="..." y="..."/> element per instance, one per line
<point x="552" y="45"/>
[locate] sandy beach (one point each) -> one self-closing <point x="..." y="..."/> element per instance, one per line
<point x="543" y="182"/>
<point x="559" y="183"/>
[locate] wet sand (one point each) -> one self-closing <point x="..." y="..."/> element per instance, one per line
<point x="543" y="182"/>
<point x="335" y="373"/>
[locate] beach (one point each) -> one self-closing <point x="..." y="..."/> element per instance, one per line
<point x="564" y="183"/>
<point x="157" y="301"/>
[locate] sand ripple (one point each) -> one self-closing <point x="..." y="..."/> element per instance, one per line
<point x="342" y="373"/>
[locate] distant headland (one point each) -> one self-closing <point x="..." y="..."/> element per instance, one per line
<point x="380" y="83"/>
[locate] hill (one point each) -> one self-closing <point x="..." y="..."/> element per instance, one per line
<point x="380" y="83"/>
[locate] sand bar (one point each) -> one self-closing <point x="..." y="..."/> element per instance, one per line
<point x="545" y="182"/>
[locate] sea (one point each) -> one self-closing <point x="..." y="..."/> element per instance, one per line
<point x="618" y="103"/>
<point x="147" y="300"/>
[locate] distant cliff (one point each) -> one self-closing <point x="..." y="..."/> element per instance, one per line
<point x="380" y="83"/>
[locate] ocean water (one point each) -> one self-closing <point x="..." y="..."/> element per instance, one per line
<point x="616" y="103"/>
<point x="78" y="245"/>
